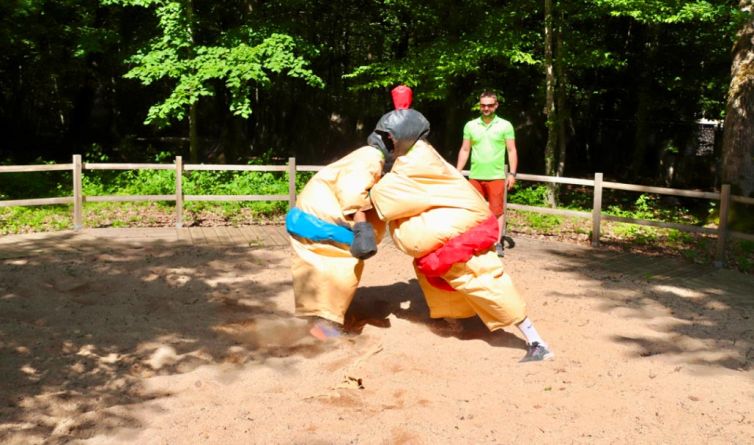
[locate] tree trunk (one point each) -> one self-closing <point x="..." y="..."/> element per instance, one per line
<point x="641" y="131"/>
<point x="560" y="92"/>
<point x="644" y="104"/>
<point x="550" y="102"/>
<point x="193" y="133"/>
<point x="193" y="136"/>
<point x="738" y="129"/>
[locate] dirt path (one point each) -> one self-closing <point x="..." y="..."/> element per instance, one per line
<point x="149" y="339"/>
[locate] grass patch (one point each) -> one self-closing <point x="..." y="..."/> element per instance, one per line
<point x="15" y="220"/>
<point x="741" y="255"/>
<point x="542" y="223"/>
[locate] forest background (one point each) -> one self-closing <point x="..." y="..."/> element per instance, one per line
<point x="646" y="91"/>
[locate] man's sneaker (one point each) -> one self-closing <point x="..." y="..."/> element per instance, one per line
<point x="499" y="250"/>
<point x="537" y="353"/>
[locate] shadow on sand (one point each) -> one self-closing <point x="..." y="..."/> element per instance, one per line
<point x="373" y="305"/>
<point x="82" y="323"/>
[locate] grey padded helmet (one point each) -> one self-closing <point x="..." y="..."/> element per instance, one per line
<point x="396" y="132"/>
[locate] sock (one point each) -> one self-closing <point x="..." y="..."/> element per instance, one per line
<point x="530" y="333"/>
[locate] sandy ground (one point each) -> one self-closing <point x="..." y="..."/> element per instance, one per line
<point x="155" y="342"/>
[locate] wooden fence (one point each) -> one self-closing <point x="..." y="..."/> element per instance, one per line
<point x="596" y="215"/>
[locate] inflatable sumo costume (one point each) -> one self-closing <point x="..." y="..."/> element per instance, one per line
<point x="328" y="246"/>
<point x="438" y="218"/>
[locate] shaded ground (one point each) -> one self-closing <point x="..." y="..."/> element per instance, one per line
<point x="189" y="338"/>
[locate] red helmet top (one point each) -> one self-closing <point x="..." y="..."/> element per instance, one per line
<point x="402" y="97"/>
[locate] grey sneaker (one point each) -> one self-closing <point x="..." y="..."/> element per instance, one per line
<point x="537" y="353"/>
<point x="499" y="249"/>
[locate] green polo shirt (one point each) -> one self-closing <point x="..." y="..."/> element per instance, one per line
<point x="488" y="147"/>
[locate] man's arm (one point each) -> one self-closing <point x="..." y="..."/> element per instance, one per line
<point x="463" y="154"/>
<point x="360" y="216"/>
<point x="510" y="180"/>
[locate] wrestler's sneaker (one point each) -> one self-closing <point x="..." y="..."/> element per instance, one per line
<point x="499" y="249"/>
<point x="537" y="353"/>
<point x="323" y="329"/>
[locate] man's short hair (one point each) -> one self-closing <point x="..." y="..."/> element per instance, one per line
<point x="488" y="93"/>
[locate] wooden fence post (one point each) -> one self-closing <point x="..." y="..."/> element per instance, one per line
<point x="722" y="228"/>
<point x="597" y="210"/>
<point x="291" y="182"/>
<point x="179" y="192"/>
<point x="78" y="200"/>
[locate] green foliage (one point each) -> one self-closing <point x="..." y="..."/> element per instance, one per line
<point x="439" y="51"/>
<point x="435" y="68"/>
<point x="678" y="237"/>
<point x="150" y="182"/>
<point x="140" y="182"/>
<point x="533" y="195"/>
<point x="666" y="11"/>
<point x="64" y="88"/>
<point x="635" y="233"/>
<point x="743" y="255"/>
<point x="645" y="206"/>
<point x="649" y="207"/>
<point x="238" y="183"/>
<point x="579" y="199"/>
<point x="747" y="247"/>
<point x="162" y="182"/>
<point x="103" y="182"/>
<point x="29" y="185"/>
<point x="240" y="62"/>
<point x="157" y="182"/>
<point x="641" y="209"/>
<point x="34" y="219"/>
<point x="542" y="223"/>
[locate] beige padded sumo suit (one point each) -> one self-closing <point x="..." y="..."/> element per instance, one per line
<point x="325" y="274"/>
<point x="439" y="219"/>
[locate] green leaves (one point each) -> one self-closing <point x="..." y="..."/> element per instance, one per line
<point x="246" y="65"/>
<point x="445" y="42"/>
<point x="240" y="64"/>
<point x="437" y="66"/>
<point x="665" y="11"/>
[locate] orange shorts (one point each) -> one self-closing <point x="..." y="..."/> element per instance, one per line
<point x="492" y="191"/>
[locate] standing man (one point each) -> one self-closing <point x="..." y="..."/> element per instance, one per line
<point x="487" y="139"/>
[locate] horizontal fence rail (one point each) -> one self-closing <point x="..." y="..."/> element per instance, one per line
<point x="597" y="215"/>
<point x="34" y="168"/>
